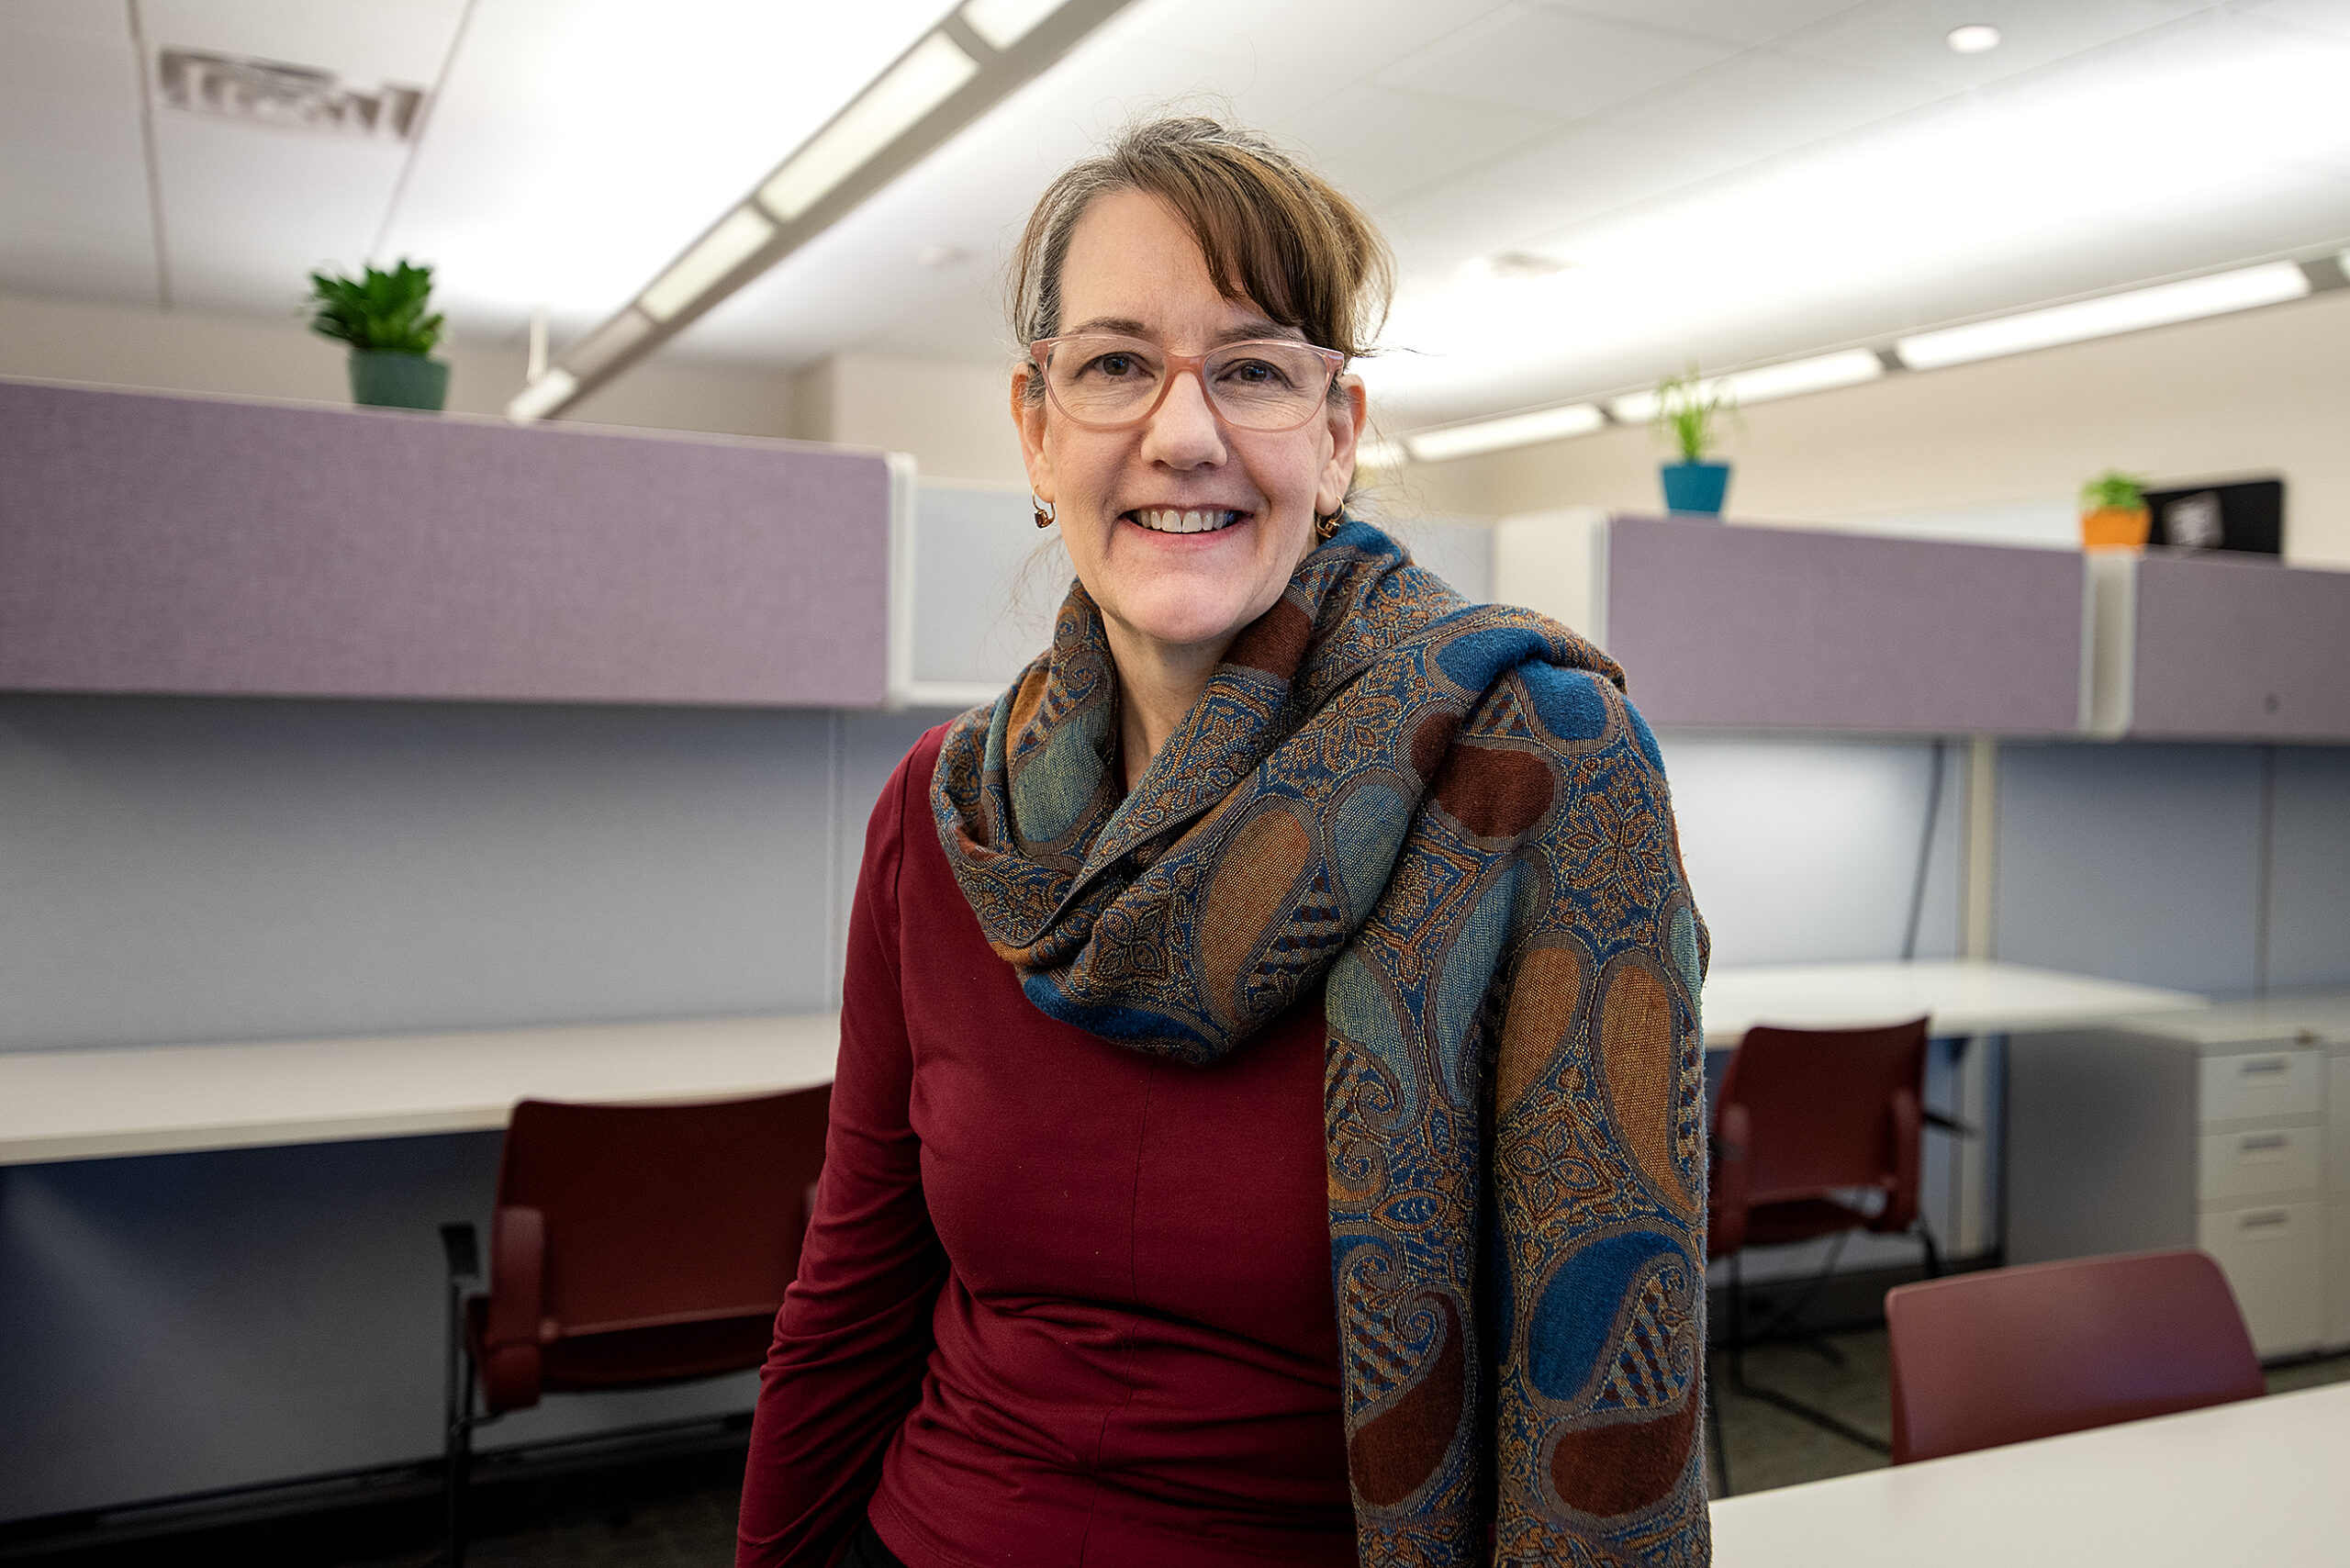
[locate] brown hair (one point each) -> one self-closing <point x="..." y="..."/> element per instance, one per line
<point x="1273" y="232"/>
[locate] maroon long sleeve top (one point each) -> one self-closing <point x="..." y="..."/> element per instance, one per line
<point x="1060" y="1303"/>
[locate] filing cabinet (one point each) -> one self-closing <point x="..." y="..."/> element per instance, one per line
<point x="2226" y="1129"/>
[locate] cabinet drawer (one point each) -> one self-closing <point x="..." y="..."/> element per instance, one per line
<point x="2259" y="1084"/>
<point x="2259" y="1163"/>
<point x="2337" y="1122"/>
<point x="2274" y="1256"/>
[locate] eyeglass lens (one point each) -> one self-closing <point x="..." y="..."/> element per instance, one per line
<point x="1256" y="386"/>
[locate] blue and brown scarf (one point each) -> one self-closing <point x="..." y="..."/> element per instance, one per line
<point x="1450" y="814"/>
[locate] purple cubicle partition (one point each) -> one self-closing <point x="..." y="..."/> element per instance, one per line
<point x="2240" y="650"/>
<point x="1780" y="628"/>
<point x="157" y="543"/>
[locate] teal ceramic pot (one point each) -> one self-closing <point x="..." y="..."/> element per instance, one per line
<point x="1695" y="486"/>
<point x="385" y="380"/>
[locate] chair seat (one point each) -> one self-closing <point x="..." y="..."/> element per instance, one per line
<point x="671" y="1352"/>
<point x="1801" y="1220"/>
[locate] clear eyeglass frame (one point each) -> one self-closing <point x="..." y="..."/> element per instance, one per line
<point x="1041" y="353"/>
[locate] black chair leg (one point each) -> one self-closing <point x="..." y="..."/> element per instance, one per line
<point x="1934" y="1253"/>
<point x="457" y="1395"/>
<point x="1772" y="1396"/>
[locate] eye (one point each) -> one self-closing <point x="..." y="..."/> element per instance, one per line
<point x="1255" y="372"/>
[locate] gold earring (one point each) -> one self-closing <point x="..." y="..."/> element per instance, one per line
<point x="1325" y="526"/>
<point x="1045" y="512"/>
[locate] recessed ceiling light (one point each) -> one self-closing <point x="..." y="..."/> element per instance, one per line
<point x="940" y="257"/>
<point x="1976" y="37"/>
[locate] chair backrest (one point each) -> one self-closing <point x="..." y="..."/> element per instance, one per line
<point x="665" y="1214"/>
<point x="1818" y="1105"/>
<point x="2011" y="1354"/>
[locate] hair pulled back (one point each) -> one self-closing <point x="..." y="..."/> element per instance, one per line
<point x="1272" y="231"/>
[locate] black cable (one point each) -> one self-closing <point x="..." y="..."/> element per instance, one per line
<point x="1925" y="853"/>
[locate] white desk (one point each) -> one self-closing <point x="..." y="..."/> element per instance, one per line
<point x="89" y="1104"/>
<point x="1964" y="996"/>
<point x="2264" y="1483"/>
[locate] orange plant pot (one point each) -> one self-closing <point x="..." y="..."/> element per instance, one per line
<point x="2114" y="528"/>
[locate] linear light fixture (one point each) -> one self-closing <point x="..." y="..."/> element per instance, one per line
<point x="966" y="65"/>
<point x="1820" y="373"/>
<point x="2214" y="294"/>
<point x="1381" y="454"/>
<point x="1511" y="429"/>
<point x="1005" y="22"/>
<point x="924" y="77"/>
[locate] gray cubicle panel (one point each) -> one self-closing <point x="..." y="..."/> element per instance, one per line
<point x="1742" y="627"/>
<point x="2196" y="646"/>
<point x="207" y="547"/>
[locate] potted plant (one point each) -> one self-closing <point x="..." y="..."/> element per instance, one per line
<point x="2113" y="512"/>
<point x="1686" y="406"/>
<point x="382" y="316"/>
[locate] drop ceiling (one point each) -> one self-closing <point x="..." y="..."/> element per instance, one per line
<point x="1725" y="181"/>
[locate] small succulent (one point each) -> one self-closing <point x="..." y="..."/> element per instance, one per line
<point x="384" y="311"/>
<point x="2115" y="490"/>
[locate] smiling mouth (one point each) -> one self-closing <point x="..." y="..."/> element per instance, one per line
<point x="1197" y="520"/>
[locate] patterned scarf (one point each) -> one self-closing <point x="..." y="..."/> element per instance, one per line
<point x="1449" y="814"/>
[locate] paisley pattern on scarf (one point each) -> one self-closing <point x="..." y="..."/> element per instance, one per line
<point x="1450" y="815"/>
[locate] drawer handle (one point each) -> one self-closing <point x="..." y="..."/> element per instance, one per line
<point x="2263" y="1220"/>
<point x="2267" y="1145"/>
<point x="2263" y="1064"/>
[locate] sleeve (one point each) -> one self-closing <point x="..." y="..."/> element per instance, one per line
<point x="853" y="1336"/>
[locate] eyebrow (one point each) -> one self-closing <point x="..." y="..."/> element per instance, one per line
<point x="1126" y="326"/>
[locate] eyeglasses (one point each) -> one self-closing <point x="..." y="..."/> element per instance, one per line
<point x="1106" y="382"/>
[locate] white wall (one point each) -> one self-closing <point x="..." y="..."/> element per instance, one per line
<point x="954" y="418"/>
<point x="49" y="339"/>
<point x="2264" y="391"/>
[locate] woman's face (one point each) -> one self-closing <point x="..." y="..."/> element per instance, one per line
<point x="1133" y="268"/>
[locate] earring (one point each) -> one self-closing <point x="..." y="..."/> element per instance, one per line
<point x="1325" y="526"/>
<point x="1044" y="510"/>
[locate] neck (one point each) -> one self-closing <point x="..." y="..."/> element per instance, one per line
<point x="1157" y="683"/>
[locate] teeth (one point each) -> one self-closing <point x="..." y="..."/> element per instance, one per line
<point x="1165" y="521"/>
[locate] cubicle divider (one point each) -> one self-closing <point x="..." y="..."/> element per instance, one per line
<point x="218" y="547"/>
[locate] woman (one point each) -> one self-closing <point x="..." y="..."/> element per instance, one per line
<point x="1267" y="1127"/>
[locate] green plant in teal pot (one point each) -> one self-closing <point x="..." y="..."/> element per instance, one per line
<point x="384" y="316"/>
<point x="1686" y="409"/>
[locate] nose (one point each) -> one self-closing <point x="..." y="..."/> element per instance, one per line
<point x="1184" y="431"/>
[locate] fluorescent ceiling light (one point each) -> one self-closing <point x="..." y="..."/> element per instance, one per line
<point x="1512" y="429"/>
<point x="2164" y="303"/>
<point x="1976" y="37"/>
<point x="736" y="238"/>
<point x="1005" y="22"/>
<point x="549" y="392"/>
<point x="927" y="77"/>
<point x="608" y="343"/>
<point x="1381" y="454"/>
<point x="1845" y="367"/>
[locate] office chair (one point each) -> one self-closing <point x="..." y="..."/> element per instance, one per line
<point x="2011" y="1354"/>
<point x="632" y="1245"/>
<point x="1802" y="1120"/>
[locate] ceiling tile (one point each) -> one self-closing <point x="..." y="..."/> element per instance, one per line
<point x="1908" y="37"/>
<point x="1375" y="142"/>
<point x="1551" y="64"/>
<point x="2330" y="17"/>
<point x="1730" y="21"/>
<point x="365" y="40"/>
<point x="72" y="167"/>
<point x="1762" y="105"/>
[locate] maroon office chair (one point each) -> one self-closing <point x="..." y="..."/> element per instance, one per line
<point x="632" y="1245"/>
<point x="2011" y="1354"/>
<point x="1802" y="1118"/>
